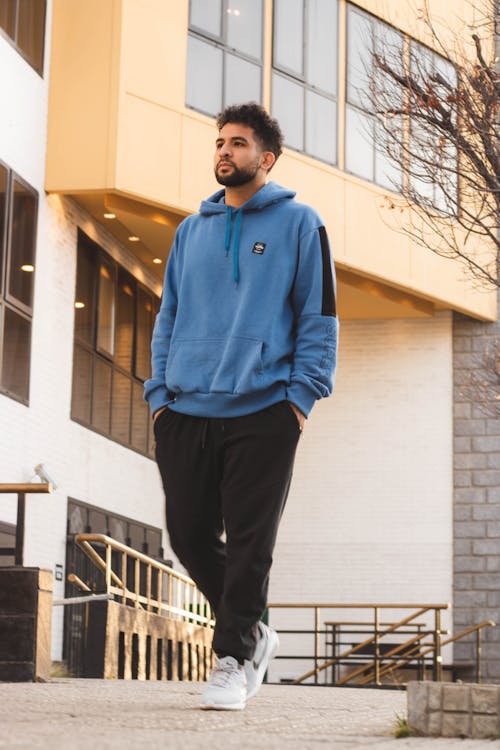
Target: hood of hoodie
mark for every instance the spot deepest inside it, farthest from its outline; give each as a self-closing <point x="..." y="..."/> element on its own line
<point x="267" y="195"/>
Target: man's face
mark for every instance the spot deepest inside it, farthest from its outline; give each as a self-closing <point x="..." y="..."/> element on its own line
<point x="238" y="156"/>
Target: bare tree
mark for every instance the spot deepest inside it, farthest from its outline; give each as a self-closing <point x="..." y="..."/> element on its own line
<point x="437" y="114"/>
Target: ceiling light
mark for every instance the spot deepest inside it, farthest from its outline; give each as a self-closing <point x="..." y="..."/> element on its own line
<point x="79" y="305"/>
<point x="134" y="238"/>
<point x="157" y="260"/>
<point x="28" y="268"/>
<point x="109" y="216"/>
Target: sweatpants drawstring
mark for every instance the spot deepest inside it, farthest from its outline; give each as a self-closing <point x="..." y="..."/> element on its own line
<point x="204" y="430"/>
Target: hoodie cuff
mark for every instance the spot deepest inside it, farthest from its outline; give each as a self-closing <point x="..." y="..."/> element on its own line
<point x="158" y="398"/>
<point x="301" y="396"/>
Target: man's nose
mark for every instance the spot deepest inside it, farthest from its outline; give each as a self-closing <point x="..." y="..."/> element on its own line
<point x="225" y="149"/>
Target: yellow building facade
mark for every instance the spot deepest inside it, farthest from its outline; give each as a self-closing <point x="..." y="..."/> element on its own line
<point x="122" y="140"/>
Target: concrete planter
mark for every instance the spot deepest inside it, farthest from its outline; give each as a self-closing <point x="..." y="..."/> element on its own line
<point x="25" y="624"/>
<point x="443" y="710"/>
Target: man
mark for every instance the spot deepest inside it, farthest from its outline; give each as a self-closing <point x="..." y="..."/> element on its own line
<point x="244" y="343"/>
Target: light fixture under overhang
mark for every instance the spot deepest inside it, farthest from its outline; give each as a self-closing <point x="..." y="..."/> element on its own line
<point x="134" y="238"/>
<point x="27" y="267"/>
<point x="109" y="215"/>
<point x="79" y="305"/>
<point x="157" y="261"/>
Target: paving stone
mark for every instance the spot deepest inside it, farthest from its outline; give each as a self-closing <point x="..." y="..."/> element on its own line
<point x="484" y="727"/>
<point x="455" y="698"/>
<point x="435" y="724"/>
<point x="455" y="725"/>
<point x="417" y="707"/>
<point x="484" y="699"/>
<point x="434" y="696"/>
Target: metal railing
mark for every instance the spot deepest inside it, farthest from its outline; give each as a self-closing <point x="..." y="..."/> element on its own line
<point x="371" y="659"/>
<point x="155" y="587"/>
<point x="135" y="617"/>
<point x="21" y="490"/>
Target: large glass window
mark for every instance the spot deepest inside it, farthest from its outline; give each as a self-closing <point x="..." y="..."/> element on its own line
<point x="433" y="181"/>
<point x="364" y="137"/>
<point x="224" y="57"/>
<point x="18" y="218"/>
<point x="114" y="317"/>
<point x="23" y="21"/>
<point x="304" y="79"/>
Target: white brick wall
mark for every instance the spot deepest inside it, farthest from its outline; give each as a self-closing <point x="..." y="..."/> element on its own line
<point x="85" y="465"/>
<point x="369" y="517"/>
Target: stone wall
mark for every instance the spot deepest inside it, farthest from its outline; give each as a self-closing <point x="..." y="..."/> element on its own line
<point x="476" y="497"/>
<point x="454" y="710"/>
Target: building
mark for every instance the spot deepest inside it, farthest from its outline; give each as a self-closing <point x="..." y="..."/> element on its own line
<point x="105" y="145"/>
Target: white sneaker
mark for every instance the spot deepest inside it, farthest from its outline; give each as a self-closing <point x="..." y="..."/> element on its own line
<point x="227" y="686"/>
<point x="256" y="668"/>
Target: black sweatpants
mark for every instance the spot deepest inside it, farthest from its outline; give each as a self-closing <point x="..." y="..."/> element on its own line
<point x="229" y="475"/>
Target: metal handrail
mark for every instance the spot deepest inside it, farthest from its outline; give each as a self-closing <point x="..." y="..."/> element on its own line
<point x="402" y="654"/>
<point x="468" y="631"/>
<point x="183" y="600"/>
<point x="375" y="639"/>
<point x="21" y="490"/>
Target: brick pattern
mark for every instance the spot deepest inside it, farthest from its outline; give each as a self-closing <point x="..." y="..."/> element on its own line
<point x="439" y="709"/>
<point x="369" y="516"/>
<point x="476" y="499"/>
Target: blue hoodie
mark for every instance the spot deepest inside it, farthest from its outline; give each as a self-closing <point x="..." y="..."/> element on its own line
<point x="248" y="314"/>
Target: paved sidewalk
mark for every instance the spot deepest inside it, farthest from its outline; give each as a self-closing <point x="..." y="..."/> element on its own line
<point x="74" y="714"/>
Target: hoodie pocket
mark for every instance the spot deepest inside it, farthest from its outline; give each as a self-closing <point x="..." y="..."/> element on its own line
<point x="231" y="365"/>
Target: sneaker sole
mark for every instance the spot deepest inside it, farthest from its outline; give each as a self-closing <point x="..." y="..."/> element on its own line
<point x="220" y="707"/>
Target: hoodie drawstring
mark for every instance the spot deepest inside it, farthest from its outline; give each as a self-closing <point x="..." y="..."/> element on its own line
<point x="236" y="240"/>
<point x="236" y="246"/>
<point x="227" y="238"/>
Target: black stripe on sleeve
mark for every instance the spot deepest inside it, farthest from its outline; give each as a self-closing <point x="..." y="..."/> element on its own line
<point x="328" y="306"/>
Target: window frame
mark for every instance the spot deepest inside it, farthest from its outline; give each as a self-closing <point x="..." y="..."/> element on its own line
<point x="8" y="301"/>
<point x="359" y="109"/>
<point x="14" y="302"/>
<point x="12" y="40"/>
<point x="220" y="42"/>
<point x="301" y="80"/>
<point x="105" y="358"/>
<point x="415" y="44"/>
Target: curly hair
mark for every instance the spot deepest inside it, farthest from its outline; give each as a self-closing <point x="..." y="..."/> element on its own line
<point x="267" y="130"/>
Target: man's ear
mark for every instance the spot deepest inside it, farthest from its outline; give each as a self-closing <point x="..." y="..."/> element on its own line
<point x="267" y="160"/>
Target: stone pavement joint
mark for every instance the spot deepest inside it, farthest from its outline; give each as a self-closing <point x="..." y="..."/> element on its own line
<point x="75" y="714"/>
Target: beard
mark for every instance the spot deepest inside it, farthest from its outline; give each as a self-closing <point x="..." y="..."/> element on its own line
<point x="239" y="176"/>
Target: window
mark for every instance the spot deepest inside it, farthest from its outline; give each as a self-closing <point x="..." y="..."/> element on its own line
<point x="432" y="182"/>
<point x="304" y="78"/>
<point x="23" y="21"/>
<point x="364" y="136"/>
<point x="224" y="57"/>
<point x="114" y="317"/>
<point x="18" y="218"/>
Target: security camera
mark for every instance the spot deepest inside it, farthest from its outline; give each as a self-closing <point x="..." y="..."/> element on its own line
<point x="41" y="472"/>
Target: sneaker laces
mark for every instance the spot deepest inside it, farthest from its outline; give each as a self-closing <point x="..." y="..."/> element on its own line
<point x="224" y="671"/>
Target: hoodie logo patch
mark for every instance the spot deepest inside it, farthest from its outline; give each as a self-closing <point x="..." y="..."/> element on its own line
<point x="259" y="248"/>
